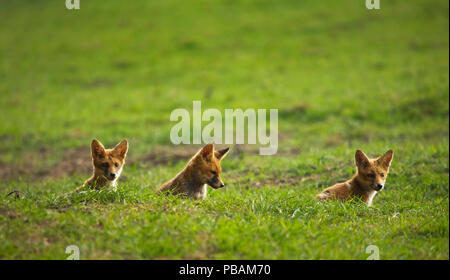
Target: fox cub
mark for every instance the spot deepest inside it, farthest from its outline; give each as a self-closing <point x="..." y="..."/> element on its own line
<point x="368" y="180"/>
<point x="107" y="163"/>
<point x="203" y="168"/>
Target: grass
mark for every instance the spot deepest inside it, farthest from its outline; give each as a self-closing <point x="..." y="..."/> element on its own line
<point x="342" y="77"/>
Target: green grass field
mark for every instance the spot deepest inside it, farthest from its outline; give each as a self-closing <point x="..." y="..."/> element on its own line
<point x="342" y="77"/>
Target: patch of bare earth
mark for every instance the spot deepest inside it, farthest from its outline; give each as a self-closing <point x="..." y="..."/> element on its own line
<point x="274" y="180"/>
<point x="78" y="161"/>
<point x="73" y="161"/>
<point x="277" y="179"/>
<point x="164" y="155"/>
<point x="9" y="171"/>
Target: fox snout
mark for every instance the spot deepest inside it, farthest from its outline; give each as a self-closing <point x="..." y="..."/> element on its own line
<point x="217" y="186"/>
<point x="111" y="176"/>
<point x="216" y="183"/>
<point x="379" y="187"/>
<point x="220" y="186"/>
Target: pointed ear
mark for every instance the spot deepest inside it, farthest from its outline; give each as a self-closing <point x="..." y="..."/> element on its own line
<point x="208" y="151"/>
<point x="121" y="149"/>
<point x="97" y="149"/>
<point x="386" y="159"/>
<point x="220" y="154"/>
<point x="361" y="159"/>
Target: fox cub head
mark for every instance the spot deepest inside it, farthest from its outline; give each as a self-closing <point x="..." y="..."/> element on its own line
<point x="109" y="162"/>
<point x="373" y="172"/>
<point x="207" y="164"/>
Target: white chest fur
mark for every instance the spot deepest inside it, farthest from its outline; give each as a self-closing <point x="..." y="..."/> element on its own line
<point x="200" y="194"/>
<point x="371" y="196"/>
<point x="114" y="182"/>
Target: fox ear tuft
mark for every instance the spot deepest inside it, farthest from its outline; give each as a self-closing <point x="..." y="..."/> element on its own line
<point x="97" y="149"/>
<point x="208" y="151"/>
<point x="121" y="149"/>
<point x="361" y="159"/>
<point x="386" y="159"/>
<point x="220" y="154"/>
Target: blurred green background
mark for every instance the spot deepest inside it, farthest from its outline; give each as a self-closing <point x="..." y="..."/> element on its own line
<point x="342" y="77"/>
<point x="113" y="70"/>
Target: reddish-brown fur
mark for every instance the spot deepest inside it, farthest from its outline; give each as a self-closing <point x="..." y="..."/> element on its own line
<point x="107" y="164"/>
<point x="369" y="179"/>
<point x="203" y="168"/>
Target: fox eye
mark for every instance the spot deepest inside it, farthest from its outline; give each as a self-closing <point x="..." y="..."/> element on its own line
<point x="214" y="173"/>
<point x="371" y="175"/>
<point x="382" y="175"/>
<point x="116" y="164"/>
<point x="105" y="165"/>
